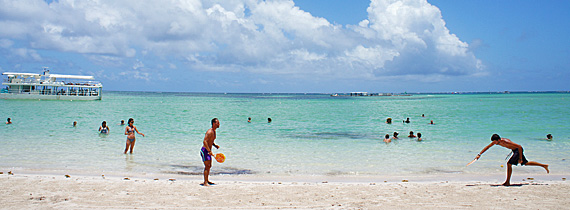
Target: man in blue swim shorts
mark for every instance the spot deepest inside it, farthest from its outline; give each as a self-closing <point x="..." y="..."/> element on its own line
<point x="206" y="151"/>
<point x="205" y="154"/>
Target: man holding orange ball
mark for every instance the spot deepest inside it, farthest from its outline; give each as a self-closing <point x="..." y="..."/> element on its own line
<point x="206" y="151"/>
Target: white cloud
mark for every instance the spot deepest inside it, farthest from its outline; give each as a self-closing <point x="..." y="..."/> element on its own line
<point x="136" y="75"/>
<point x="105" y="60"/>
<point x="305" y="55"/>
<point x="399" y="38"/>
<point x="374" y="57"/>
<point x="138" y="64"/>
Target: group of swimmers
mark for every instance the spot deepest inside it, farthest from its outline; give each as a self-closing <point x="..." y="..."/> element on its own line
<point x="104" y="129"/>
<point x="387" y="138"/>
<point x="268" y="120"/>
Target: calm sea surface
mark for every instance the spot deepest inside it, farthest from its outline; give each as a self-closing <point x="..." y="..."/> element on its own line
<point x="309" y="134"/>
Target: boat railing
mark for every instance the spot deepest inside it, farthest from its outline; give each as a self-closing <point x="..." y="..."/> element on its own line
<point x="31" y="81"/>
<point x="22" y="82"/>
<point x="81" y="84"/>
<point x="58" y="83"/>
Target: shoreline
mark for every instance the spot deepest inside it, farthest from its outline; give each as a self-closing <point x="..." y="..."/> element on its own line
<point x="25" y="191"/>
<point x="422" y="178"/>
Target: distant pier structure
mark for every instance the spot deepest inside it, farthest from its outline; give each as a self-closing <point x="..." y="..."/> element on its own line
<point x="367" y="94"/>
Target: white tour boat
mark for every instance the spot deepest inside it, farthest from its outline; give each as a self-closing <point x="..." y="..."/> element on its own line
<point x="48" y="86"/>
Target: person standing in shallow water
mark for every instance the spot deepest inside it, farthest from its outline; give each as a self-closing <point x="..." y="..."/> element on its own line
<point x="518" y="156"/>
<point x="206" y="151"/>
<point x="130" y="132"/>
<point x="104" y="129"/>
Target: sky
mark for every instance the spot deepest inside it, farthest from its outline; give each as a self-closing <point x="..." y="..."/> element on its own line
<point x="293" y="46"/>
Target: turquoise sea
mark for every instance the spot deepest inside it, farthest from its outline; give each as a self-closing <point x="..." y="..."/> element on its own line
<point x="310" y="134"/>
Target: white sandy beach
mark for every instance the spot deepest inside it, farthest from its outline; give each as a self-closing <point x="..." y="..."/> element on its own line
<point x="36" y="191"/>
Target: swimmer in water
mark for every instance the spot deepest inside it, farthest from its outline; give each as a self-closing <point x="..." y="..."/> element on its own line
<point x="130" y="132"/>
<point x="104" y="129"/>
<point x="395" y="135"/>
<point x="8" y="121"/>
<point x="419" y="136"/>
<point x="387" y="139"/>
<point x="548" y="136"/>
<point x="412" y="135"/>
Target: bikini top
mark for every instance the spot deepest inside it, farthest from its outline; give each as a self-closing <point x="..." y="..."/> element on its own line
<point x="130" y="129"/>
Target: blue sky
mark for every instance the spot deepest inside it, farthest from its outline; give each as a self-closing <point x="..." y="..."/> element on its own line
<point x="322" y="46"/>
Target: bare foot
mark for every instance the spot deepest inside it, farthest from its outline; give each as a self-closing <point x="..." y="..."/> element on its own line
<point x="506" y="184"/>
<point x="546" y="167"/>
<point x="205" y="184"/>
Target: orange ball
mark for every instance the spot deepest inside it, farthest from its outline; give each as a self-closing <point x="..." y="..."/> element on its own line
<point x="220" y="157"/>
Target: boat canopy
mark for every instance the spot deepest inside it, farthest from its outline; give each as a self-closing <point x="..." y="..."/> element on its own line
<point x="19" y="74"/>
<point x="71" y="76"/>
<point x="61" y="76"/>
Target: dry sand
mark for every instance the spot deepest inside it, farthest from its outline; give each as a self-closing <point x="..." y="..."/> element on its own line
<point x="34" y="191"/>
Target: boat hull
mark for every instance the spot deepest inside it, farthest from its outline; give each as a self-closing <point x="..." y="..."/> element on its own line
<point x="48" y="97"/>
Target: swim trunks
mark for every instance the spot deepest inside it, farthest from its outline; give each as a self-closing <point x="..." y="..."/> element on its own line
<point x="515" y="158"/>
<point x="205" y="155"/>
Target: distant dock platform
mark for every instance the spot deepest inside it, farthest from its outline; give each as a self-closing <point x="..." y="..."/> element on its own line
<point x="356" y="94"/>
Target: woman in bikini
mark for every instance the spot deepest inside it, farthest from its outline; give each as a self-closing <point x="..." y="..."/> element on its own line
<point x="130" y="132"/>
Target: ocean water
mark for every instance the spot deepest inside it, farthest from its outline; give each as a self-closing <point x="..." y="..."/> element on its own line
<point x="310" y="134"/>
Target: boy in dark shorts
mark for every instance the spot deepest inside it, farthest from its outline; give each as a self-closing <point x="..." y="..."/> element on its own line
<point x="518" y="156"/>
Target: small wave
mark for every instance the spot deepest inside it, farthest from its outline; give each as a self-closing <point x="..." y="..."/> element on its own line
<point x="440" y="171"/>
<point x="329" y="135"/>
<point x="199" y="170"/>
